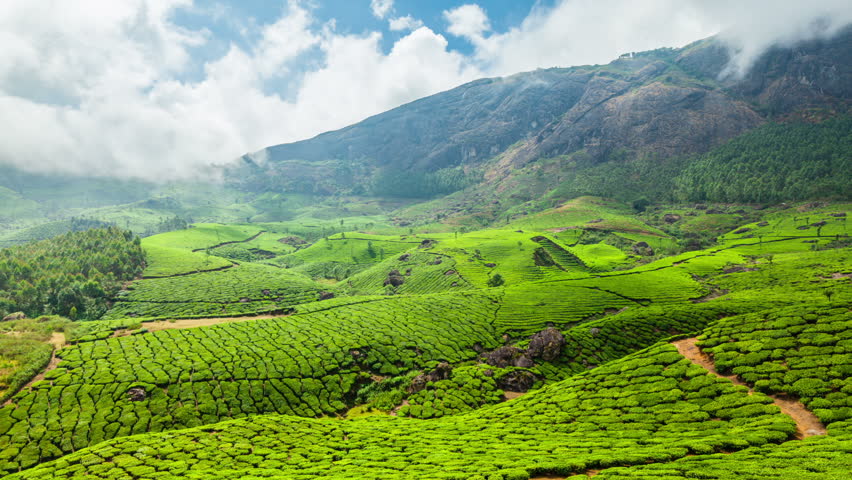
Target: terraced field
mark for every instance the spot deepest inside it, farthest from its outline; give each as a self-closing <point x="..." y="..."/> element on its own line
<point x="539" y="351"/>
<point x="654" y="405"/>
<point x="240" y="290"/>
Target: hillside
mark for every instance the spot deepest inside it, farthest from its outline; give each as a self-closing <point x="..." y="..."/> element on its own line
<point x="662" y="103"/>
<point x="244" y="351"/>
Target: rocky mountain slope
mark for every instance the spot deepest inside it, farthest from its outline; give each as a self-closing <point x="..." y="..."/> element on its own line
<point x="663" y="103"/>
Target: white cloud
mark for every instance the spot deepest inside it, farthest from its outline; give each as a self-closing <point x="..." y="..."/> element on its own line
<point x="84" y="93"/>
<point x="469" y="21"/>
<point x="404" y="23"/>
<point x="381" y="8"/>
<point x="576" y="32"/>
<point x="108" y="94"/>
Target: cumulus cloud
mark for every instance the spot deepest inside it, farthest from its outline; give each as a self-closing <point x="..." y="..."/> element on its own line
<point x="102" y="94"/>
<point x="576" y="32"/>
<point x="120" y="94"/>
<point x="469" y="21"/>
<point x="381" y="8"/>
<point x="774" y="24"/>
<point x="404" y="23"/>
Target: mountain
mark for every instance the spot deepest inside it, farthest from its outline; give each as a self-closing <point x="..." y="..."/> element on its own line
<point x="662" y="103"/>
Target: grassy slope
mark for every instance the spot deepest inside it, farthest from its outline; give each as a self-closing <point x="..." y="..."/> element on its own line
<point x="534" y="296"/>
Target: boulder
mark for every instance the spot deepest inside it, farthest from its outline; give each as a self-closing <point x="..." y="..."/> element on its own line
<point x="441" y="372"/>
<point x="516" y="381"/>
<point x="137" y="394"/>
<point x="503" y="357"/>
<point x="642" y="248"/>
<point x="404" y="257"/>
<point x="394" y="278"/>
<point x="546" y="344"/>
<point x="14" y="316"/>
<point x="326" y="295"/>
<point x="671" y="218"/>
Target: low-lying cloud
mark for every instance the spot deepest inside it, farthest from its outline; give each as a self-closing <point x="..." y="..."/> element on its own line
<point x="108" y="93"/>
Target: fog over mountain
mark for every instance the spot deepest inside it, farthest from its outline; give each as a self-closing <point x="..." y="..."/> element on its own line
<point x="119" y="88"/>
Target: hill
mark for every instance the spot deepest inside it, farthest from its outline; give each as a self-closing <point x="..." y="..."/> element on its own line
<point x="661" y="104"/>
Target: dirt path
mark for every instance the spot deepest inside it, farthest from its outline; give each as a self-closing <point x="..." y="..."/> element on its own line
<point x="807" y="424"/>
<point x="58" y="341"/>
<point x="192" y="323"/>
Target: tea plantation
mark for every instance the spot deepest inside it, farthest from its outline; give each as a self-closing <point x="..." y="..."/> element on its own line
<point x="545" y="347"/>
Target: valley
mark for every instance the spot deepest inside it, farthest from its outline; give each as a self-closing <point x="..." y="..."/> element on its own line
<point x="247" y="350"/>
<point x="633" y="270"/>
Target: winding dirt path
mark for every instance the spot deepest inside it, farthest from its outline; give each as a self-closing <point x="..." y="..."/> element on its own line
<point x="192" y="323"/>
<point x="807" y="424"/>
<point x="57" y="339"/>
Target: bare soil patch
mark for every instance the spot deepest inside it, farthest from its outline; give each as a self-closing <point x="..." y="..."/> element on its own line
<point x="192" y="323"/>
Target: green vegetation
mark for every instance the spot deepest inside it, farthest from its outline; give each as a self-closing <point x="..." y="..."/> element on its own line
<point x="74" y="274"/>
<point x="801" y="351"/>
<point x="652" y="406"/>
<point x="397" y="353"/>
<point x="240" y="290"/>
<point x="200" y="376"/>
<point x="773" y="163"/>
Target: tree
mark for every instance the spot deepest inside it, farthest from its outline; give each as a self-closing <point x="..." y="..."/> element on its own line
<point x="496" y="280"/>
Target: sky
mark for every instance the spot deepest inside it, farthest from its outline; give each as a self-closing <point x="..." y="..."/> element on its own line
<point x="162" y="89"/>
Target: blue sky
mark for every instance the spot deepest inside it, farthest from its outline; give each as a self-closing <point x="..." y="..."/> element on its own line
<point x="351" y="16"/>
<point x="239" y="21"/>
<point x="161" y="89"/>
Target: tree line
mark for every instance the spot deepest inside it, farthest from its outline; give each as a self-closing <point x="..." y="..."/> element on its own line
<point x="74" y="274"/>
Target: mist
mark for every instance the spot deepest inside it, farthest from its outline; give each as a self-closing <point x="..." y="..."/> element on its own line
<point x="113" y="89"/>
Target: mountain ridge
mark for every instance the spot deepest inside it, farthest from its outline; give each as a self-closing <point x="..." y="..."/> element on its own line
<point x="664" y="102"/>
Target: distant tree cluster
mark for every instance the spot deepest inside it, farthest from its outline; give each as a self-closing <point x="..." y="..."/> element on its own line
<point x="74" y="274"/>
<point x="168" y="225"/>
<point x="775" y="163"/>
<point x="394" y="183"/>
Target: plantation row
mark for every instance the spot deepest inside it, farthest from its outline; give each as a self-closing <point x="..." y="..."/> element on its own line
<point x="600" y="341"/>
<point x="533" y="306"/>
<point x="468" y="388"/>
<point x="166" y="261"/>
<point x="654" y="406"/>
<point x="238" y="290"/>
<point x="801" y="351"/>
<point x="815" y="458"/>
<point x="306" y="364"/>
<point x="420" y="272"/>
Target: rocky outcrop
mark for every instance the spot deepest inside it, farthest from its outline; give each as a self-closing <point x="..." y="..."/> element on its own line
<point x="508" y="356"/>
<point x="394" y="279"/>
<point x="546" y="344"/>
<point x="441" y="372"/>
<point x="664" y="102"/>
<point x="642" y="248"/>
<point x="14" y="316"/>
<point x="516" y="381"/>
